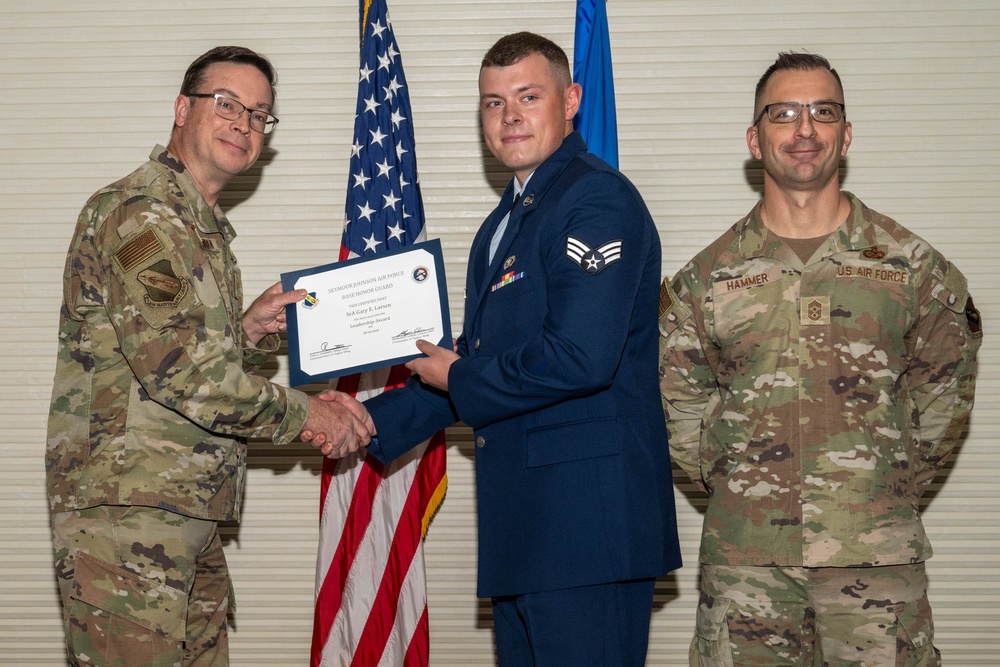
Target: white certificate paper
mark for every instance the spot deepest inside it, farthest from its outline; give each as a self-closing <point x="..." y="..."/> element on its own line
<point x="367" y="312"/>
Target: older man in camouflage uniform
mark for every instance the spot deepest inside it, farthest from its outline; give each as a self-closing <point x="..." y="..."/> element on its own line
<point x="155" y="394"/>
<point x="818" y="365"/>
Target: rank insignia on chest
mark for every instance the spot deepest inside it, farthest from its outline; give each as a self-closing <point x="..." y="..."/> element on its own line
<point x="507" y="279"/>
<point x="814" y="310"/>
<point x="593" y="260"/>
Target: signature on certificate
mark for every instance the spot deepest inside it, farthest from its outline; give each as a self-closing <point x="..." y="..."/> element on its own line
<point x="325" y="349"/>
<point x="410" y="333"/>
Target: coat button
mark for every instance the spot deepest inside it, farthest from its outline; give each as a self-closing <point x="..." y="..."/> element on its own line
<point x="480" y="441"/>
<point x="475" y="345"/>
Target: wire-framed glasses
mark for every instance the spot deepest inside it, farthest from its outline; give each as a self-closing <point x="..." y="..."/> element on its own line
<point x="230" y="109"/>
<point x="788" y="112"/>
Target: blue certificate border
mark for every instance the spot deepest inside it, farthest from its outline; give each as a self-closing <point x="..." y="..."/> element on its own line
<point x="297" y="376"/>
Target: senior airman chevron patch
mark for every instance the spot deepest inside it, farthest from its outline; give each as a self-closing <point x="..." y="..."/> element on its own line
<point x="593" y="260"/>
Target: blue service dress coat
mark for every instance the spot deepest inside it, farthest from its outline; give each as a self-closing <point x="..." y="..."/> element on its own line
<point x="557" y="376"/>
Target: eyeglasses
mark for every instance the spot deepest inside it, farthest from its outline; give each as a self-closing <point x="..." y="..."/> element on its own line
<point x="230" y="109"/>
<point x="788" y="112"/>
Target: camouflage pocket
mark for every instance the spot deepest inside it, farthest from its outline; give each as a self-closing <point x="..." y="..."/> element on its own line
<point x="121" y="593"/>
<point x="915" y="635"/>
<point x="710" y="647"/>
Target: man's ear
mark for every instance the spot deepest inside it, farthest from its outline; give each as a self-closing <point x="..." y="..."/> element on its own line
<point x="182" y="106"/>
<point x="848" y="134"/>
<point x="572" y="97"/>
<point x="753" y="142"/>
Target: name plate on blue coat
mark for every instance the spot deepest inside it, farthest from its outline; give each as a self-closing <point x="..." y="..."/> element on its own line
<point x="367" y="312"/>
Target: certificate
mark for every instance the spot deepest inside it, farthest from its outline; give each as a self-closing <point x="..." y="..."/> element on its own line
<point x="367" y="312"/>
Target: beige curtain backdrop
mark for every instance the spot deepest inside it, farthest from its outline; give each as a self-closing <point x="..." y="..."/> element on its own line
<point x="88" y="89"/>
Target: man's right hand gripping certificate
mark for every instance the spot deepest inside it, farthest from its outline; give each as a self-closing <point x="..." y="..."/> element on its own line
<point x="365" y="313"/>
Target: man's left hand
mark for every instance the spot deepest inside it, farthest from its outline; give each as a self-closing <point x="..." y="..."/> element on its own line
<point x="433" y="369"/>
<point x="266" y="314"/>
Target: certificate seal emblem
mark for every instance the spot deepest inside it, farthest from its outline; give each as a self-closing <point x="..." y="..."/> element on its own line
<point x="420" y="274"/>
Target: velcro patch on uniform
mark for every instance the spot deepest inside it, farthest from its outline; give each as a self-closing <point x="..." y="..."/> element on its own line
<point x="973" y="318"/>
<point x="814" y="310"/>
<point x="156" y="279"/>
<point x="666" y="301"/>
<point x="877" y="273"/>
<point x="727" y="285"/>
<point x="593" y="260"/>
<point x="875" y="252"/>
<point x="142" y="247"/>
<point x="163" y="287"/>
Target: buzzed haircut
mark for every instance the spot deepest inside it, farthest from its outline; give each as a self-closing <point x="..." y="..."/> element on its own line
<point x="239" y="55"/>
<point x="516" y="47"/>
<point x="802" y="62"/>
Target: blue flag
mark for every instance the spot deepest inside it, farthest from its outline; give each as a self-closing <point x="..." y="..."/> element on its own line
<point x="596" y="120"/>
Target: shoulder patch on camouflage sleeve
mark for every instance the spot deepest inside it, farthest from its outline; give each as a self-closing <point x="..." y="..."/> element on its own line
<point x="973" y="318"/>
<point x="142" y="246"/>
<point x="954" y="288"/>
<point x="666" y="301"/>
<point x="146" y="266"/>
<point x="163" y="287"/>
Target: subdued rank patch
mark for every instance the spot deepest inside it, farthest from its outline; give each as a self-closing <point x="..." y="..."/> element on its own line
<point x="509" y="262"/>
<point x="875" y="252"/>
<point x="814" y="310"/>
<point x="666" y="302"/>
<point x="163" y="287"/>
<point x="142" y="247"/>
<point x="593" y="260"/>
<point x="973" y="318"/>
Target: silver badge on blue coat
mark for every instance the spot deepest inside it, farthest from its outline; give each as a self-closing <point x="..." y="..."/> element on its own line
<point x="593" y="260"/>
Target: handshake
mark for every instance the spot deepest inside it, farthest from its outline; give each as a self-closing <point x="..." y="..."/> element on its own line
<point x="337" y="424"/>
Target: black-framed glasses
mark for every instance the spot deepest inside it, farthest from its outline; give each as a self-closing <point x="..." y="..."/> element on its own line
<point x="230" y="109"/>
<point x="788" y="112"/>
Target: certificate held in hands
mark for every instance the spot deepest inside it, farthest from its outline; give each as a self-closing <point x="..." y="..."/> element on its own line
<point x="367" y="312"/>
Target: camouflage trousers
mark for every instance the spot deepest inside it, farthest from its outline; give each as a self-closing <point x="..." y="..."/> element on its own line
<point x="814" y="617"/>
<point x="141" y="586"/>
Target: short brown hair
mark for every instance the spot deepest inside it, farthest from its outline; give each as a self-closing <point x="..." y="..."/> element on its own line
<point x="516" y="47"/>
<point x="195" y="75"/>
<point x="795" y="61"/>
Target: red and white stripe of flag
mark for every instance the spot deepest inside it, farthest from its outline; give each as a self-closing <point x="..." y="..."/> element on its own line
<point x="371" y="595"/>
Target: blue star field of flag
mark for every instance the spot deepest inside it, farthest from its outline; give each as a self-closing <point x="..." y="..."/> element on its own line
<point x="384" y="209"/>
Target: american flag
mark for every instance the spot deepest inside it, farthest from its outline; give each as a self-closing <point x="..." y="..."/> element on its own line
<point x="371" y="592"/>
